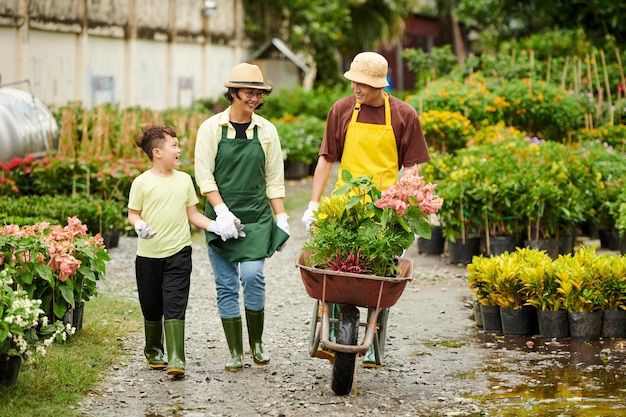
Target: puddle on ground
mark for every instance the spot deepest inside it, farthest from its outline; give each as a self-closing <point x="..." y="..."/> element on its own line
<point x="533" y="376"/>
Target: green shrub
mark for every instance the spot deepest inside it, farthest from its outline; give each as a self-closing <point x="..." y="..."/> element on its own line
<point x="445" y="130"/>
<point x="440" y="61"/>
<point x="541" y="188"/>
<point x="99" y="215"/>
<point x="300" y="138"/>
<point x="610" y="167"/>
<point x="542" y="109"/>
<point x="610" y="136"/>
<point x="471" y="98"/>
<point x="297" y="101"/>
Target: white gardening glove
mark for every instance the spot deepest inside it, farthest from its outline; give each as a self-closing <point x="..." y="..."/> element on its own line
<point x="144" y="230"/>
<point x="240" y="227"/>
<point x="308" y="217"/>
<point x="227" y="224"/>
<point x="281" y="221"/>
<point x="214" y="228"/>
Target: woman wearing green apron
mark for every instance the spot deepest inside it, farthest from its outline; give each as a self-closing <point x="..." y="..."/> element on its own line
<point x="239" y="168"/>
<point x="371" y="133"/>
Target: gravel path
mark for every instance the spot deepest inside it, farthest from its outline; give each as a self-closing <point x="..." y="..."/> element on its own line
<point x="430" y="343"/>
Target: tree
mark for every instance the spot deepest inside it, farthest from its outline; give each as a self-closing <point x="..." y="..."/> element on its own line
<point x="509" y="19"/>
<point x="327" y="34"/>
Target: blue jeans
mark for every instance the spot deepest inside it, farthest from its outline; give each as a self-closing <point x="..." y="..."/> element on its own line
<point x="228" y="275"/>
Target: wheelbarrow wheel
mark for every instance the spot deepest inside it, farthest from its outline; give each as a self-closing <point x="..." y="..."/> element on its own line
<point x="347" y="334"/>
<point x="314" y="336"/>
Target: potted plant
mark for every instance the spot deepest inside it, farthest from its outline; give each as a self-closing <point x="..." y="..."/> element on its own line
<point x="611" y="272"/>
<point x="300" y="140"/>
<point x="24" y="328"/>
<point x="580" y="282"/>
<point x="506" y="277"/>
<point x="361" y="230"/>
<point x="542" y="292"/>
<point x="496" y="190"/>
<point x="481" y="276"/>
<point x="58" y="265"/>
<point x="515" y="186"/>
<point x="459" y="214"/>
<point x="434" y="245"/>
<point x="610" y="166"/>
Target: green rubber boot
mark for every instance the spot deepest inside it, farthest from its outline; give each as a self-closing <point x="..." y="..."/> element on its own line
<point x="254" y="320"/>
<point x="175" y="342"/>
<point x="233" y="330"/>
<point x="153" y="351"/>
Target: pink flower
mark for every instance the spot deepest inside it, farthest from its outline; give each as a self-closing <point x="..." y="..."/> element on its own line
<point x="411" y="190"/>
<point x="65" y="264"/>
<point x="75" y="227"/>
<point x="431" y="205"/>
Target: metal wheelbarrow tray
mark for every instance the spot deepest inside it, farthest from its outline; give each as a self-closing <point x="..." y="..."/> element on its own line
<point x="357" y="289"/>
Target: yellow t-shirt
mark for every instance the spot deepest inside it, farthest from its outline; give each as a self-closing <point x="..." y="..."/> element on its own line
<point x="163" y="203"/>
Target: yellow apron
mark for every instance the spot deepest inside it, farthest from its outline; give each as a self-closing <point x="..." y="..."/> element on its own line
<point x="370" y="149"/>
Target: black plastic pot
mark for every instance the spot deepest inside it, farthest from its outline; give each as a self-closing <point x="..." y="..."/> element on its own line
<point x="586" y="325"/>
<point x="614" y="324"/>
<point x="553" y="323"/>
<point x="432" y="246"/>
<point x="500" y="244"/>
<point x="522" y="321"/>
<point x="491" y="318"/>
<point x="463" y="252"/>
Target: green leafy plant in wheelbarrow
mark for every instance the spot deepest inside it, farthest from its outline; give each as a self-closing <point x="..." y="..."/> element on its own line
<point x="361" y="229"/>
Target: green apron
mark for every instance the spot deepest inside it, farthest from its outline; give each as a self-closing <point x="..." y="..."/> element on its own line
<point x="240" y="177"/>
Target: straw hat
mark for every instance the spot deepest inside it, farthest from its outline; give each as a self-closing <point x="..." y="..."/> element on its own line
<point x="368" y="68"/>
<point x="246" y="75"/>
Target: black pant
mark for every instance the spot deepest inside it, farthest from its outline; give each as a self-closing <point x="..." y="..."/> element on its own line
<point x="163" y="285"/>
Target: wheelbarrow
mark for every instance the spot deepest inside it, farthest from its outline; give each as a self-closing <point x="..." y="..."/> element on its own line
<point x="351" y="291"/>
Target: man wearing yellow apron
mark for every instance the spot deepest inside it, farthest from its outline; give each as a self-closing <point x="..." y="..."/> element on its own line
<point x="370" y="133"/>
<point x="239" y="168"/>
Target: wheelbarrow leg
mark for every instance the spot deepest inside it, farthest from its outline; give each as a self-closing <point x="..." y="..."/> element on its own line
<point x="333" y="312"/>
<point x="373" y="358"/>
<point x="314" y="335"/>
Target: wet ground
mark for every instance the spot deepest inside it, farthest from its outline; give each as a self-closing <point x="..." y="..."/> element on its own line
<point x="531" y="376"/>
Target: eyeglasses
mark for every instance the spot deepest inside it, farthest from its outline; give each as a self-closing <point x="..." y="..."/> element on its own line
<point x="252" y="93"/>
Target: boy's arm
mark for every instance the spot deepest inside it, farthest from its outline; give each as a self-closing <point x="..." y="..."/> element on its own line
<point x="198" y="219"/>
<point x="133" y="216"/>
